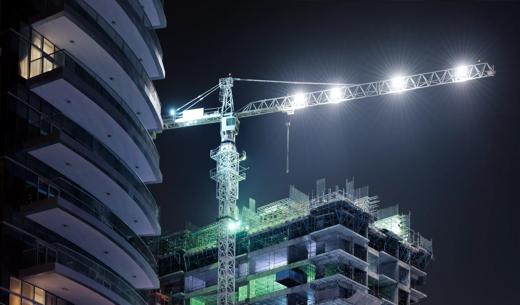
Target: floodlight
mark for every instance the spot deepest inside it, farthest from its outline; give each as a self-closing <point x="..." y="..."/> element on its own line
<point x="336" y="94"/>
<point x="172" y="112"/>
<point x="397" y="84"/>
<point x="461" y="73"/>
<point x="299" y="101"/>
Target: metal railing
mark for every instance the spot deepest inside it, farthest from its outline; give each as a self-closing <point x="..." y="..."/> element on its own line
<point x="44" y="188"/>
<point x="417" y="239"/>
<point x="49" y="123"/>
<point x="140" y="19"/>
<point x="44" y="253"/>
<point x="103" y="214"/>
<point x="135" y="68"/>
<point x="330" y="196"/>
<point x="61" y="58"/>
<point x="140" y="72"/>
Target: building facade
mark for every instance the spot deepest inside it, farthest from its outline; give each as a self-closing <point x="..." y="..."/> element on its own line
<point x="335" y="247"/>
<point x="78" y="110"/>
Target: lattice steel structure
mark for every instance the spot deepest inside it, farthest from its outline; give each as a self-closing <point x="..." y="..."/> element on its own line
<point x="301" y="250"/>
<point x="339" y="94"/>
<point x="229" y="173"/>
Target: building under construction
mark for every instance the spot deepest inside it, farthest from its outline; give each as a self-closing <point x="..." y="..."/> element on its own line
<point x="335" y="246"/>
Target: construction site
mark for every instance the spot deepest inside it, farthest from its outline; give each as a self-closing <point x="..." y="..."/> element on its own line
<point x="335" y="246"/>
<point x="328" y="90"/>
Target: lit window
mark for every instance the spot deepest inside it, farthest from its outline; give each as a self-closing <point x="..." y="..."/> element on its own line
<point x="27" y="290"/>
<point x="15" y="285"/>
<point x="48" y="47"/>
<point x="14" y="299"/>
<point x="39" y="295"/>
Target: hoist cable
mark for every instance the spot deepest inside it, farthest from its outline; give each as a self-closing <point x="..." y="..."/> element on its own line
<point x="288" y="125"/>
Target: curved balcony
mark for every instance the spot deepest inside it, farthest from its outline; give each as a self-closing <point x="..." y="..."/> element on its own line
<point x="77" y="217"/>
<point x="129" y="20"/>
<point x="154" y="11"/>
<point x="77" y="27"/>
<point x="75" y="277"/>
<point x="85" y="98"/>
<point x="63" y="145"/>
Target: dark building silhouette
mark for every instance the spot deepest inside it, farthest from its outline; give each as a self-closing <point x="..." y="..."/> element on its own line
<point x="78" y="113"/>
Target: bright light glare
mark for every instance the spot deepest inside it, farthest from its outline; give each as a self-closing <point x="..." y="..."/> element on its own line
<point x="336" y="94"/>
<point x="193" y="114"/>
<point x="397" y="84"/>
<point x="234" y="225"/>
<point x="461" y="73"/>
<point x="172" y="112"/>
<point x="299" y="101"/>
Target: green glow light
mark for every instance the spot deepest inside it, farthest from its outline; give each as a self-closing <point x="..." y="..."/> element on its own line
<point x="264" y="285"/>
<point x="242" y="293"/>
<point x="196" y="301"/>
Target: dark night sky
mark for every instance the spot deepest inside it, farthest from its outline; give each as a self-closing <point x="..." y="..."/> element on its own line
<point x="447" y="154"/>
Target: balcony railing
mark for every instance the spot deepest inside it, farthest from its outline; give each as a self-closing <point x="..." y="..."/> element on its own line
<point x="140" y="72"/>
<point x="49" y="186"/>
<point x="40" y="253"/>
<point x="135" y="69"/>
<point x="47" y="123"/>
<point x="45" y="62"/>
<point x="140" y="19"/>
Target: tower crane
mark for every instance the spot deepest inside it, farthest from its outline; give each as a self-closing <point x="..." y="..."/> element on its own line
<point x="228" y="172"/>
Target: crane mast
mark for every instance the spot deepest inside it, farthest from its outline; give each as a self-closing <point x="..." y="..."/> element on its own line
<point x="229" y="173"/>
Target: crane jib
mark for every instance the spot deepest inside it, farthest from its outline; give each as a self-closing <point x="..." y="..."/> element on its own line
<point x="229" y="173"/>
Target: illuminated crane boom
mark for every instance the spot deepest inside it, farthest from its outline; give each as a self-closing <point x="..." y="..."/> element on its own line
<point x="339" y="94"/>
<point x="229" y="173"/>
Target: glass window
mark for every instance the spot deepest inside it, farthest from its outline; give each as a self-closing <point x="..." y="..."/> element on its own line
<point x="39" y="295"/>
<point x="35" y="53"/>
<point x="48" y="47"/>
<point x="37" y="39"/>
<point x="35" y="68"/>
<point x="27" y="290"/>
<point x="47" y="65"/>
<point x="14" y="299"/>
<point x="15" y="285"/>
<point x="26" y="302"/>
<point x="50" y="299"/>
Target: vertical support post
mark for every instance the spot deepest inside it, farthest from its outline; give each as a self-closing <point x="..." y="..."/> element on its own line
<point x="227" y="176"/>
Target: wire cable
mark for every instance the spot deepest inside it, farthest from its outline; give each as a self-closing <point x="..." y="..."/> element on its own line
<point x="289" y="82"/>
<point x="197" y="99"/>
<point x="287" y="125"/>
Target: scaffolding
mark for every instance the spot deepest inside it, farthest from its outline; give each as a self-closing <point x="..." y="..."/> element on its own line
<point x="298" y="206"/>
<point x="295" y="221"/>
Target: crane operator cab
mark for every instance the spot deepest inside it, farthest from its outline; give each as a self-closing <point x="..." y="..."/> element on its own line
<point x="229" y="128"/>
